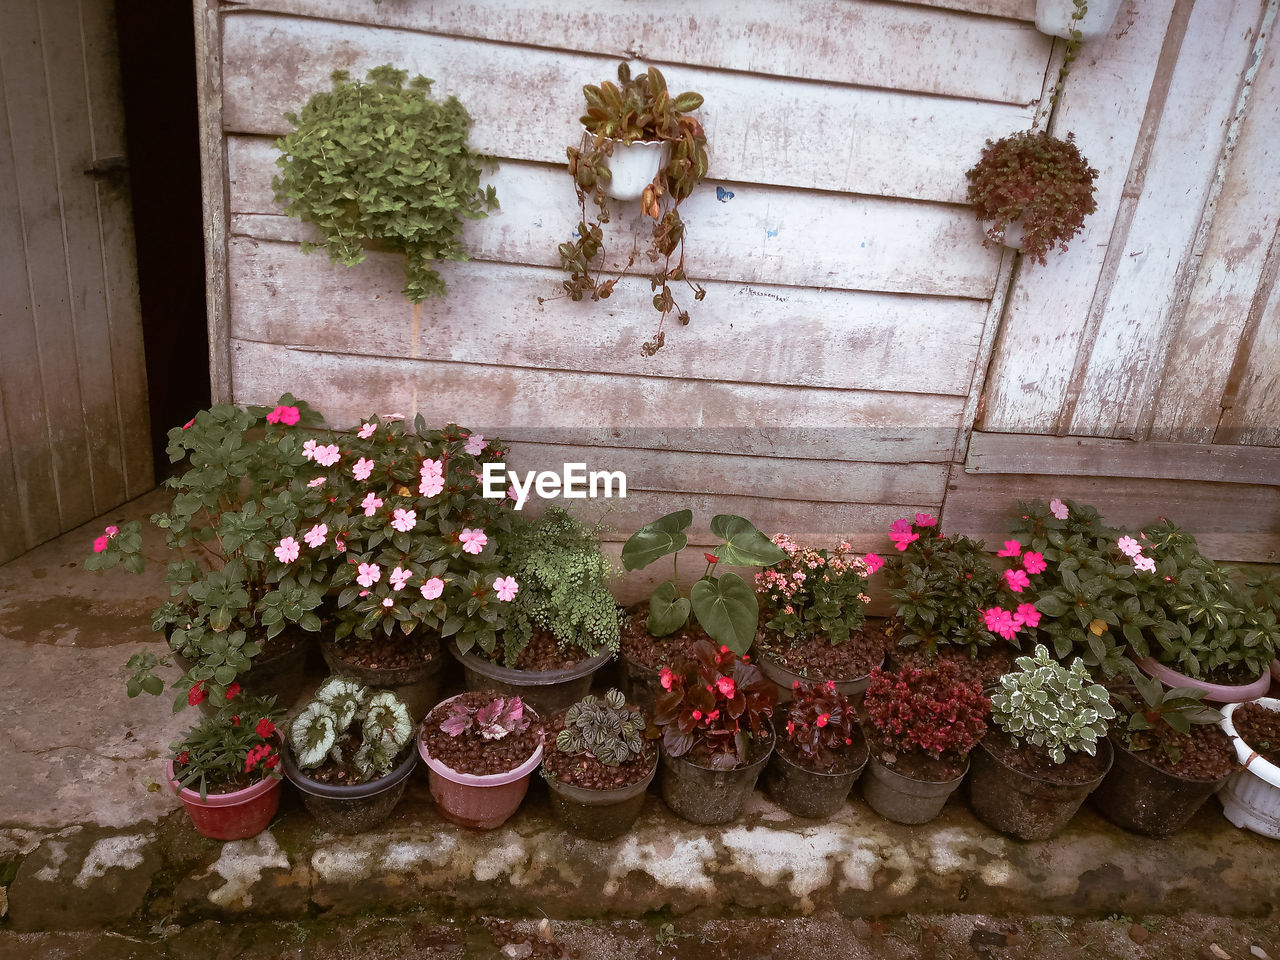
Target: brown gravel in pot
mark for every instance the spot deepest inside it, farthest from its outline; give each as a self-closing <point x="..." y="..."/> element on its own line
<point x="1037" y="762"/>
<point x="1203" y="754"/>
<point x="854" y="756"/>
<point x="1260" y="729"/>
<point x="396" y="652"/>
<point x="987" y="666"/>
<point x="471" y="753"/>
<point x="585" y="770"/>
<point x="655" y="652"/>
<point x="541" y="653"/>
<point x="815" y="657"/>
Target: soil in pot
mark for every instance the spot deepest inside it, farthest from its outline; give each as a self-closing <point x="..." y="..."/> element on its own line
<point x="412" y="667"/>
<point x="814" y="658"/>
<point x="644" y="655"/>
<point x="469" y="752"/>
<point x="1260" y="729"/>
<point x="547" y="677"/>
<point x="591" y="799"/>
<point x="341" y="800"/>
<point x="808" y="792"/>
<point x="1020" y="791"/>
<point x="987" y="665"/>
<point x="911" y="787"/>
<point x="707" y="795"/>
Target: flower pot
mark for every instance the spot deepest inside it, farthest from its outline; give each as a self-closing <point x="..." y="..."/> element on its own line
<point x="230" y="816"/>
<point x="1275" y="670"/>
<point x="1144" y="798"/>
<point x="1054" y="18"/>
<point x="783" y="677"/>
<point x="483" y="801"/>
<point x="639" y="684"/>
<point x="904" y="799"/>
<point x="351" y="808"/>
<point x="599" y="814"/>
<point x="1251" y="797"/>
<point x="633" y="167"/>
<point x="1012" y="236"/>
<point x="278" y="674"/>
<point x="707" y="795"/>
<point x="805" y="792"/>
<point x="1023" y="805"/>
<point x="547" y="691"/>
<point x="1213" y="692"/>
<point x="417" y="685"/>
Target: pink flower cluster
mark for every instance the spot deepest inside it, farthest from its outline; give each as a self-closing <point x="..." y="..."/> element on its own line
<point x="902" y="531"/>
<point x="324" y="454"/>
<point x="431" y="477"/>
<point x="783" y="582"/>
<point x="1032" y="563"/>
<point x="1132" y="549"/>
<point x="1007" y="624"/>
<point x="289" y="416"/>
<point x="100" y="544"/>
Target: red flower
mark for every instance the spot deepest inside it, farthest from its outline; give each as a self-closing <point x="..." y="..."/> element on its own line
<point x="725" y="686"/>
<point x="665" y="677"/>
<point x="697" y="714"/>
<point x="271" y="762"/>
<point x="265" y="727"/>
<point x="182" y="758"/>
<point x="236" y="720"/>
<point x="232" y="691"/>
<point x="196" y="694"/>
<point x="822" y="719"/>
<point x="711" y="558"/>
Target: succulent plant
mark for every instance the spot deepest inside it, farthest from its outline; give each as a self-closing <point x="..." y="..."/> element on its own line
<point x="1052" y="706"/>
<point x="325" y="730"/>
<point x="605" y="729"/>
<point x="493" y="721"/>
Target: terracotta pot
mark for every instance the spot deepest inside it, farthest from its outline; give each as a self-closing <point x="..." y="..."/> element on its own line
<point x="230" y="816"/>
<point x="1025" y="806"/>
<point x="598" y="814"/>
<point x="1213" y="692"/>
<point x="904" y="799"/>
<point x="351" y="808"/>
<point x="418" y="686"/>
<point x="1144" y="798"/>
<point x="1251" y="797"/>
<point x="481" y="801"/>
<point x="546" y="690"/>
<point x="1054" y="18"/>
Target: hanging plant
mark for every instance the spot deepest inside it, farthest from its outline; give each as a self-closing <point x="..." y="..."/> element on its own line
<point x="634" y="111"/>
<point x="379" y="161"/>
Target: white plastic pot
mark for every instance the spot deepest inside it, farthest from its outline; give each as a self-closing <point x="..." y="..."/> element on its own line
<point x="634" y="165"/>
<point x="1012" y="236"/>
<point x="1251" y="797"/>
<point x="1054" y="18"/>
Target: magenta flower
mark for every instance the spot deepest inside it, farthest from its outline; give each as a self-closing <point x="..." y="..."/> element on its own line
<point x="926" y="520"/>
<point x="399" y="577"/>
<point x="1034" y="562"/>
<point x="339" y="545"/>
<point x="1129" y="546"/>
<point x="1059" y="509"/>
<point x="366" y="430"/>
<point x="475" y="444"/>
<point x="286" y="415"/>
<point x="403" y="520"/>
<point x="100" y="543"/>
<point x="900" y="540"/>
<point x="315" y="536"/>
<point x="187" y="425"/>
<point x="1016" y="580"/>
<point x="288" y="550"/>
<point x="1000" y="622"/>
<point x="873" y="562"/>
<point x="327" y="456"/>
<point x="371" y="503"/>
<point x="369" y="574"/>
<point x="1011" y="548"/>
<point x="363" y="467"/>
<point x="112" y="530"/>
<point x="507" y="588"/>
<point x="432" y="588"/>
<point x="725" y="686"/>
<point x="472" y="541"/>
<point x="1145" y="564"/>
<point x="1027" y="614"/>
<point x="901" y="525"/>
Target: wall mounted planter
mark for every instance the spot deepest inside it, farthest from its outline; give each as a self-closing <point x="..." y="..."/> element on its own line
<point x="1054" y="18"/>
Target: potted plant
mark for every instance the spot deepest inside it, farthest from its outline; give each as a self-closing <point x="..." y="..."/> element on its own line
<point x="665" y="153"/>
<point x="349" y="754"/>
<point x="922" y="723"/>
<point x="236" y="617"/>
<point x="1170" y="756"/>
<point x="1033" y="191"/>
<point x="1263" y="589"/>
<point x="409" y="547"/>
<point x="562" y="624"/>
<point x="226" y="769"/>
<point x="480" y="749"/>
<point x="1251" y="797"/>
<point x="816" y="763"/>
<point x="720" y="606"/>
<point x="379" y="161"/>
<point x="815" y="604"/>
<point x="716" y="736"/>
<point x="598" y="763"/>
<point x="1023" y="782"/>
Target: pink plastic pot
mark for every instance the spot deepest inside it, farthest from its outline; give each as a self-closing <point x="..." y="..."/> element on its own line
<point x="1213" y="692"/>
<point x="230" y="816"/>
<point x="471" y="800"/>
<point x="1275" y="670"/>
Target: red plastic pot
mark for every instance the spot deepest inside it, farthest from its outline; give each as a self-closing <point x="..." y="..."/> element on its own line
<point x="230" y="816"/>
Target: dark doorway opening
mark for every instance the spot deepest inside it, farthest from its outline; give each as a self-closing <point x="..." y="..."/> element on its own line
<point x="158" y="73"/>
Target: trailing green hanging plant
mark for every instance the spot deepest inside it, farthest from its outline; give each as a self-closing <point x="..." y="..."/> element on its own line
<point x="379" y="161"/>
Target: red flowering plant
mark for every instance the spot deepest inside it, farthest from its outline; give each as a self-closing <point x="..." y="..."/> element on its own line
<point x="931" y="711"/>
<point x="714" y="705"/>
<point x="815" y="590"/>
<point x="822" y="727"/>
<point x="235" y="501"/>
<point x="231" y="750"/>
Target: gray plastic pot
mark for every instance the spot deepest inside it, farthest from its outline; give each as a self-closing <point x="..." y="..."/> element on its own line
<point x="905" y="799"/>
<point x="640" y="684"/>
<point x="355" y="808"/>
<point x="1146" y="799"/>
<point x="1025" y="806"/>
<point x="805" y="792"/>
<point x="417" y="686"/>
<point x="598" y="814"/>
<point x="547" y="691"/>
<point x="707" y="795"/>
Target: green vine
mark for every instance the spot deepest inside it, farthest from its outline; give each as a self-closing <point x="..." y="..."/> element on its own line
<point x="1072" y="49"/>
<point x="379" y="161"/>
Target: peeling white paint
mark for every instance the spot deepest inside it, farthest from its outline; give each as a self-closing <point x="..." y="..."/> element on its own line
<point x="861" y="860"/>
<point x="57" y="857"/>
<point x="407" y="854"/>
<point x="123" y="852"/>
<point x="769" y="855"/>
<point x="345" y="863"/>
<point x="506" y="857"/>
<point x="241" y="864"/>
<point x="997" y="873"/>
<point x="682" y="867"/>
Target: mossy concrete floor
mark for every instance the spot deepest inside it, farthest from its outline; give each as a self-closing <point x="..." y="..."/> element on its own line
<point x="90" y="842"/>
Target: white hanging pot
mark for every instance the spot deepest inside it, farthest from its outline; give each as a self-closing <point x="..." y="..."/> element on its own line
<point x="1013" y="233"/>
<point x="1251" y="797"/>
<point x="634" y="165"/>
<point x="1054" y="18"/>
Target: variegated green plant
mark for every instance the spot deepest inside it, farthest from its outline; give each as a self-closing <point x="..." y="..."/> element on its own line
<point x="325" y="730"/>
<point x="1052" y="706"/>
<point x="605" y="729"/>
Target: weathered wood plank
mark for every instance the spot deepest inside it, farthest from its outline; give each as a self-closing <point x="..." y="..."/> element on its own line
<point x="759" y="235"/>
<point x="1128" y="354"/>
<point x="1231" y="521"/>
<point x="1254" y="416"/>
<point x="1229" y="268"/>
<point x="784" y="478"/>
<point x="1093" y="456"/>
<point x="780" y="335"/>
<point x="213" y="192"/>
<point x="1014" y="9"/>
<point x="14" y="539"/>
<point x="1104" y="105"/>
<point x="589" y="409"/>
<point x="868" y="44"/>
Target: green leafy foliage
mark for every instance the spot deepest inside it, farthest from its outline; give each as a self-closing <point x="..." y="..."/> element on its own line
<point x="1151" y="716"/>
<point x="1052" y="706"/>
<point x="231" y="750"/>
<point x="380" y="161"/>
<point x="348" y="723"/>
<point x="606" y="729"/>
<point x="815" y="591"/>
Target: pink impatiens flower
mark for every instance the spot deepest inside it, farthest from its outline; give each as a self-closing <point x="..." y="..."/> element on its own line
<point x="403" y="520"/>
<point x="1129" y="546"/>
<point x="1059" y="509"/>
<point x="432" y="478"/>
<point x="317" y="482"/>
<point x="926" y="520"/>
<point x="288" y="550"/>
<point x="1027" y="614"/>
<point x="371" y="503"/>
<point x="475" y="444"/>
<point x="286" y="415"/>
<point x="399" y="577"/>
<point x="1034" y="562"/>
<point x="507" y="588"/>
<point x="1000" y="622"/>
<point x="366" y="430"/>
<point x="100" y="543"/>
<point x="901" y="525"/>
<point x="388" y="602"/>
<point x="1016" y="580"/>
<point x="369" y="574"/>
<point x="328" y="455"/>
<point x="315" y="536"/>
<point x="900" y="540"/>
<point x="873" y="562"/>
<point x="472" y="541"/>
<point x="1145" y="564"/>
<point x="432" y="588"/>
<point x="1011" y="548"/>
<point x="363" y="467"/>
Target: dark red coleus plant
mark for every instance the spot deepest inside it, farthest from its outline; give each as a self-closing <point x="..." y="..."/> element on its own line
<point x="821" y="724"/>
<point x="712" y="704"/>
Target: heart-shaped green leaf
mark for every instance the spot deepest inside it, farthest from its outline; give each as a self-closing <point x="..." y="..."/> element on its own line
<point x="727" y="609"/>
<point x="656" y="539"/>
<point x="668" y="611"/>
<point x="744" y="545"/>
